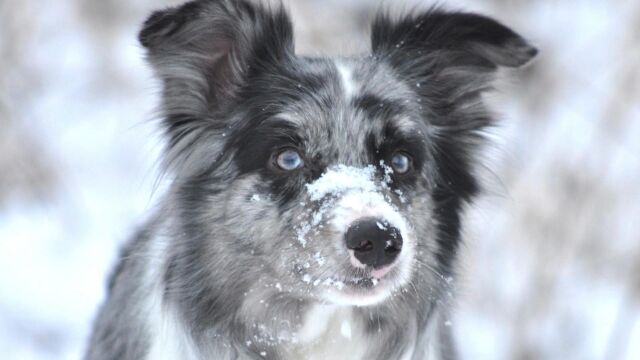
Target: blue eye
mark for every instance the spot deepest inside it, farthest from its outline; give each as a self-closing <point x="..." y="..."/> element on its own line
<point x="400" y="162"/>
<point x="289" y="160"/>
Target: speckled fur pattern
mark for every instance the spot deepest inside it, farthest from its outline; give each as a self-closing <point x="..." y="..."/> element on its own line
<point x="223" y="269"/>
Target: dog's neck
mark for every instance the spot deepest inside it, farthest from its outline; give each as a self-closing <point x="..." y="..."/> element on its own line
<point x="329" y="332"/>
<point x="335" y="332"/>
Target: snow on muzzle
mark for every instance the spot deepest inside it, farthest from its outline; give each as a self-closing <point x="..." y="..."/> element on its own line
<point x="359" y="207"/>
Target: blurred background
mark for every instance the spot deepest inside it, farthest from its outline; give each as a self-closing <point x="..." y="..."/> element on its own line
<point x="551" y="265"/>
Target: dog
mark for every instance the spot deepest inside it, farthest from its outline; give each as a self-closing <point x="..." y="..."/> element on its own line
<point x="315" y="204"/>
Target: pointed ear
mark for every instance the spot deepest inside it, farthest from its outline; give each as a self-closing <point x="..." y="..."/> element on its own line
<point x="459" y="39"/>
<point x="203" y="52"/>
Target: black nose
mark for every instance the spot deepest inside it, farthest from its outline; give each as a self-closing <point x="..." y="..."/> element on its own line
<point x="374" y="242"/>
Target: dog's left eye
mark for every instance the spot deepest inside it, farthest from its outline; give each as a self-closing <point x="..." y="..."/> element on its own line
<point x="289" y="159"/>
<point x="401" y="163"/>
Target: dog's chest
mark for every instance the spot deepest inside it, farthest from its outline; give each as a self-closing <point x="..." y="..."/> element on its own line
<point x="330" y="332"/>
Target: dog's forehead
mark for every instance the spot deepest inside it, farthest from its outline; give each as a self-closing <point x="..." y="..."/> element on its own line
<point x="352" y="100"/>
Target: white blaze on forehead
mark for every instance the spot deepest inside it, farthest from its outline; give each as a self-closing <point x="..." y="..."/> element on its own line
<point x="346" y="76"/>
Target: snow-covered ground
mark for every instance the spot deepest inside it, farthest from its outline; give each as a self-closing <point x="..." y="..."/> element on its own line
<point x="551" y="266"/>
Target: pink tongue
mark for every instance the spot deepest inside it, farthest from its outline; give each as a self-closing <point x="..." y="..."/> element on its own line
<point x="379" y="273"/>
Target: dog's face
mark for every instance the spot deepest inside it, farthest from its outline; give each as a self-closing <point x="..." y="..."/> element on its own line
<point x="336" y="168"/>
<point x="339" y="180"/>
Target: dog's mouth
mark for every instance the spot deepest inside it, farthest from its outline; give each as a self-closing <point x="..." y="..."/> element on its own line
<point x="362" y="283"/>
<point x="361" y="290"/>
<point x="371" y="278"/>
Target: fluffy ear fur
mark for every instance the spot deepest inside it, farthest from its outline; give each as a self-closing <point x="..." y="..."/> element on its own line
<point x="465" y="38"/>
<point x="453" y="54"/>
<point x="203" y="52"/>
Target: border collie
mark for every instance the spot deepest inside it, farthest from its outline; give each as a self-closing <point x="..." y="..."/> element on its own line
<point x="315" y="207"/>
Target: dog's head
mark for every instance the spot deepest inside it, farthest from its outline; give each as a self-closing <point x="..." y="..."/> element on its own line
<point x="339" y="180"/>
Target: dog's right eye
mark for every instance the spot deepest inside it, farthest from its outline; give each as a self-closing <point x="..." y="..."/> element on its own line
<point x="289" y="159"/>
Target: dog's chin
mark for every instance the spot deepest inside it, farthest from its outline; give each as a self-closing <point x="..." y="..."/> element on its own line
<point x="371" y="287"/>
<point x="360" y="292"/>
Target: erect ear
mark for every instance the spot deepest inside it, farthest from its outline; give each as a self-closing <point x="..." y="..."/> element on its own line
<point x="464" y="38"/>
<point x="454" y="48"/>
<point x="203" y="52"/>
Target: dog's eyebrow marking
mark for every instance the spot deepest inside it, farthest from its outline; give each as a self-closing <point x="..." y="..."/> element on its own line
<point x="346" y="76"/>
<point x="405" y="125"/>
<point x="377" y="107"/>
<point x="294" y="119"/>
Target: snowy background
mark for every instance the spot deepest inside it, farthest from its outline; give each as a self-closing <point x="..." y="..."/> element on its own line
<point x="551" y="267"/>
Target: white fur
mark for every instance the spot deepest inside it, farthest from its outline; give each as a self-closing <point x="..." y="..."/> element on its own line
<point x="349" y="86"/>
<point x="169" y="338"/>
<point x="330" y="332"/>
